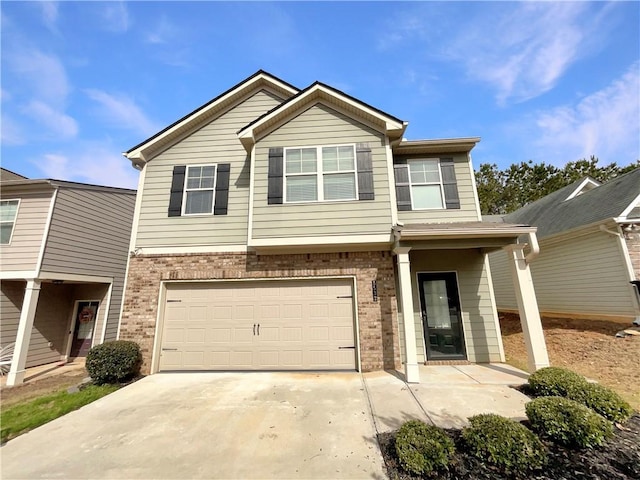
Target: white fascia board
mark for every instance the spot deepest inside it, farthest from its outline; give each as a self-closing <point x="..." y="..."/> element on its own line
<point x="583" y="184"/>
<point x="137" y="155"/>
<point x="178" y="250"/>
<point x="454" y="233"/>
<point x="385" y="239"/>
<point x="70" y="277"/>
<point x="18" y="275"/>
<point x="246" y="136"/>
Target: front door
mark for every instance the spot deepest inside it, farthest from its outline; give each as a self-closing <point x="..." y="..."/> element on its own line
<point x="85" y="323"/>
<point x="441" y="318"/>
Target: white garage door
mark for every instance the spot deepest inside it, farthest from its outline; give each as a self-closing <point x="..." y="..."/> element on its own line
<point x="262" y="325"/>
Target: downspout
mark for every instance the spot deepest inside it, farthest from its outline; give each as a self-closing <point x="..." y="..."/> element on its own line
<point x="535" y="248"/>
<point x="606" y="230"/>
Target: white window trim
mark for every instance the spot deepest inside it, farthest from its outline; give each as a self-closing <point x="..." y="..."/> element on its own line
<point x="411" y="184"/>
<point x="319" y="174"/>
<point x="15" y="218"/>
<point x="185" y="189"/>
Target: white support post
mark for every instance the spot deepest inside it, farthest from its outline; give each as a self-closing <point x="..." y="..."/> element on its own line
<point x="23" y="337"/>
<point x="537" y="356"/>
<point x="411" y="370"/>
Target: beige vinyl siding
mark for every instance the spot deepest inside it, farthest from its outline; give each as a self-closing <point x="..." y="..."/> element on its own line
<point x="23" y="251"/>
<point x="584" y="275"/>
<point x="468" y="211"/>
<point x="480" y="336"/>
<point x="11" y="298"/>
<point x="216" y="142"/>
<point x="89" y="235"/>
<point x="316" y="126"/>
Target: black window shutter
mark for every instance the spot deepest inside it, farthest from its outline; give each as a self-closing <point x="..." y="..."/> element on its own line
<point x="222" y="189"/>
<point x="177" y="188"/>
<point x="451" y="197"/>
<point x="365" y="172"/>
<point x="403" y="188"/>
<point x="274" y="195"/>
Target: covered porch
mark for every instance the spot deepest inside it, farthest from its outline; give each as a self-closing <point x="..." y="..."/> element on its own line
<point x="447" y="312"/>
<point x="48" y="321"/>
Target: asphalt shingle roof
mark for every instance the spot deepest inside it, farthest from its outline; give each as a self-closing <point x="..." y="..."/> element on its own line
<point x="553" y="214"/>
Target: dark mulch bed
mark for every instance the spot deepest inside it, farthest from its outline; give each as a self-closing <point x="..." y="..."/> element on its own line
<point x="617" y="459"/>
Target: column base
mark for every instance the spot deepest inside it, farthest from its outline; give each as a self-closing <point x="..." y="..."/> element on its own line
<point x="411" y="373"/>
<point x="15" y="378"/>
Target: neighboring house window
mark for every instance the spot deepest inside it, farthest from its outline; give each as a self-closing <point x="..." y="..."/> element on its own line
<point x="320" y="174"/>
<point x="8" y="213"/>
<point x="426" y="184"/>
<point x="199" y="189"/>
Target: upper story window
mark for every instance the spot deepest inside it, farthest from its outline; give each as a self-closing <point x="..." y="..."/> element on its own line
<point x="426" y="184"/>
<point x="8" y="213"/>
<point x="325" y="173"/>
<point x="199" y="189"/>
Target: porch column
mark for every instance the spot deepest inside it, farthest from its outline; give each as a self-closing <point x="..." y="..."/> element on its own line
<point x="528" y="307"/>
<point x="411" y="371"/>
<point x="23" y="337"/>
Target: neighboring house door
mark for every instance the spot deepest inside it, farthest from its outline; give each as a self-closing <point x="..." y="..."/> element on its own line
<point x="441" y="318"/>
<point x="85" y="323"/>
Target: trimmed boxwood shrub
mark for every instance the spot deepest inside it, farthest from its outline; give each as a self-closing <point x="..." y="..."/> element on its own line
<point x="555" y="381"/>
<point x="504" y="443"/>
<point x="423" y="448"/>
<point x="114" y="362"/>
<point x="568" y="422"/>
<point x="604" y="401"/>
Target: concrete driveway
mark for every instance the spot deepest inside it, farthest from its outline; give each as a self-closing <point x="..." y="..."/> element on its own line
<point x="249" y="425"/>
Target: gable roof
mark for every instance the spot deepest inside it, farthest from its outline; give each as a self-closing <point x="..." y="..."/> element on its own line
<point x="139" y="154"/>
<point x="555" y="213"/>
<point x="9" y="175"/>
<point x="318" y="91"/>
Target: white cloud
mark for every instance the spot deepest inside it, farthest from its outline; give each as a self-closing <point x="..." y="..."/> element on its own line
<point x="605" y="124"/>
<point x="57" y="122"/>
<point x="123" y="112"/>
<point x="44" y="73"/>
<point x="49" y="14"/>
<point x="520" y="49"/>
<point x="93" y="162"/>
<point x="163" y="33"/>
<point x="115" y="16"/>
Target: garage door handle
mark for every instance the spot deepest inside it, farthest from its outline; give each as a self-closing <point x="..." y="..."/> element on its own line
<point x="169" y="349"/>
<point x="258" y="329"/>
<point x="342" y="348"/>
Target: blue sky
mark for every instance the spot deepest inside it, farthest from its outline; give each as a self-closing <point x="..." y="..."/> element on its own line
<point x="550" y="81"/>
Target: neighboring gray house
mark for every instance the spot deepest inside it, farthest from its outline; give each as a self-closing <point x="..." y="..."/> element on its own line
<point x="589" y="238"/>
<point x="63" y="250"/>
<point x="279" y="228"/>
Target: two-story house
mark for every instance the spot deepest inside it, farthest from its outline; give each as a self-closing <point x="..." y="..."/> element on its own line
<point x="63" y="252"/>
<point x="286" y="229"/>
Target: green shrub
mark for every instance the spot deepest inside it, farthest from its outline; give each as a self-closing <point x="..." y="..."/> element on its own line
<point x="114" y="362"/>
<point x="568" y="422"/>
<point x="504" y="443"/>
<point x="555" y="381"/>
<point x="422" y="448"/>
<point x="604" y="401"/>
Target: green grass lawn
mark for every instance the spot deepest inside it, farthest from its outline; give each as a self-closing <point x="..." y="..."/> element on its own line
<point x="25" y="416"/>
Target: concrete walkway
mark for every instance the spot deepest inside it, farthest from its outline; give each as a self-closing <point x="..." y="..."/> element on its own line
<point x="250" y="425"/>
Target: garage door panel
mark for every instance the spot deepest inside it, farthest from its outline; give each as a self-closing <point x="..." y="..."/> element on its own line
<point x="303" y="324"/>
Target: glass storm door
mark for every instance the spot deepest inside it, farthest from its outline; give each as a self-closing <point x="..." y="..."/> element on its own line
<point x="84" y="328"/>
<point x="441" y="318"/>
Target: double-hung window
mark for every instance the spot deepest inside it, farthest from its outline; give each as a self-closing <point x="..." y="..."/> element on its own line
<point x="8" y="213"/>
<point x="426" y="184"/>
<point x="317" y="174"/>
<point x="199" y="190"/>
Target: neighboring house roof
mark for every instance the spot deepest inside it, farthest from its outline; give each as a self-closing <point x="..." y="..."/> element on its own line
<point x="49" y="182"/>
<point x="9" y="175"/>
<point x="315" y="92"/>
<point x="182" y="126"/>
<point x="561" y="210"/>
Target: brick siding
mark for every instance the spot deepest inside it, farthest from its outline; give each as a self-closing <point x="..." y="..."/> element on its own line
<point x="633" y="245"/>
<point x="378" y="324"/>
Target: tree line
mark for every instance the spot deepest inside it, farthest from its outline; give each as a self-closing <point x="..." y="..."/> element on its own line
<point x="503" y="191"/>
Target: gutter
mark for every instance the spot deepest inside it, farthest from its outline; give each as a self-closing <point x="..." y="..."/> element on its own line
<point x="535" y="248"/>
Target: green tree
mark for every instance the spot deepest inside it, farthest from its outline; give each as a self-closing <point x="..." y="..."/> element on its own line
<point x="503" y="191"/>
